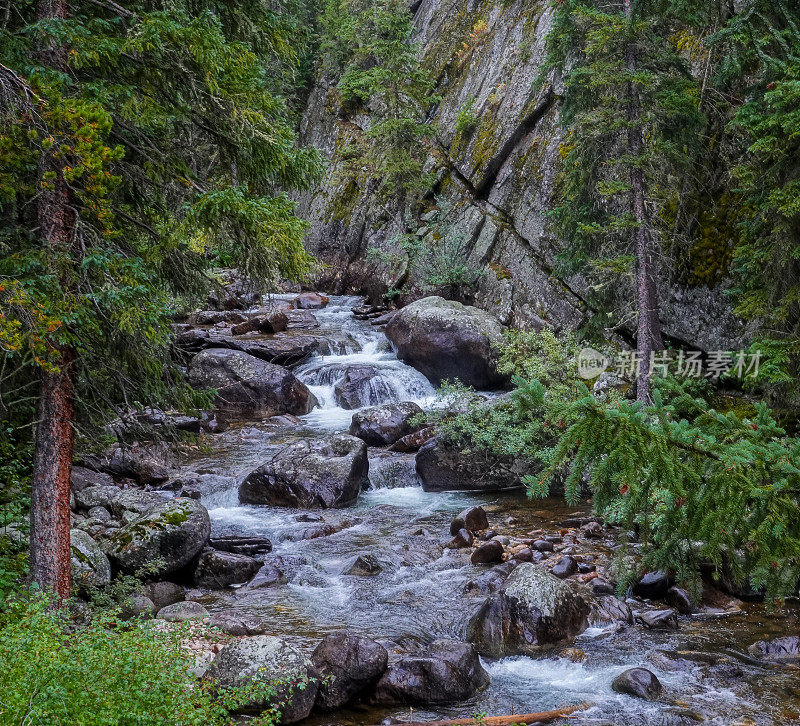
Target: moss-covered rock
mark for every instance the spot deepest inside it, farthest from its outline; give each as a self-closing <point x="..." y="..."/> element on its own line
<point x="165" y="539"/>
<point x="532" y="611"/>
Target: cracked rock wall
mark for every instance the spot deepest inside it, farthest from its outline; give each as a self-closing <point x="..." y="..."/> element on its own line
<point x="499" y="176"/>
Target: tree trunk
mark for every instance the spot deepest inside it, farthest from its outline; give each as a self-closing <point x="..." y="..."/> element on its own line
<point x="648" y="335"/>
<point x="52" y="465"/>
<point x="54" y="437"/>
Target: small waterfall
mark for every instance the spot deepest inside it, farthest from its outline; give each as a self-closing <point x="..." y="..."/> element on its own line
<point x="376" y="374"/>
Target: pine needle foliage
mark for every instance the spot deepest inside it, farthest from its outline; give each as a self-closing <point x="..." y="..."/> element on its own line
<point x="368" y="46"/>
<point x="705" y="490"/>
<point x="760" y="49"/>
<point x="700" y="487"/>
<point x="543" y="369"/>
<point x="167" y="122"/>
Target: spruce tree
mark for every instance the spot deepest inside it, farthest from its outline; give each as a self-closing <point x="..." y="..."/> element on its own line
<point x="630" y="113"/>
<point x="701" y="487"/>
<point x="140" y="145"/>
<point x="760" y="49"/>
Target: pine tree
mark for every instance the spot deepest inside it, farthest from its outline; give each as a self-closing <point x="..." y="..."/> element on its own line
<point x="140" y="145"/>
<point x="53" y="443"/>
<point x="630" y="113"/>
<point x="760" y="49"/>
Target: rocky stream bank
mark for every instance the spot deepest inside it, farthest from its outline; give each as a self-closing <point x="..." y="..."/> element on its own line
<point x="319" y="535"/>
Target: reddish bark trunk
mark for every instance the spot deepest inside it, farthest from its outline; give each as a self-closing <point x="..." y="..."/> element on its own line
<point x="52" y="465"/>
<point x="648" y="334"/>
<point x="54" y="438"/>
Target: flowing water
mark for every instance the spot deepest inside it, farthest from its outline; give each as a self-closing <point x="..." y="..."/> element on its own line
<point x="418" y="596"/>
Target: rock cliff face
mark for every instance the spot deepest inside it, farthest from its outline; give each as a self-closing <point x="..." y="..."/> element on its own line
<point x="498" y="176"/>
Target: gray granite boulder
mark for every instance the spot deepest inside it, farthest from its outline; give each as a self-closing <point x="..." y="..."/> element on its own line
<point x="348" y="666"/>
<point x="446" y="340"/>
<point x="532" y="610"/>
<point x="780" y="650"/>
<point x="446" y="467"/>
<point x="183" y="611"/>
<point x="268" y="660"/>
<point x="217" y="570"/>
<point x="446" y="671"/>
<point x="639" y="683"/>
<point x="310" y="474"/>
<point x="248" y="387"/>
<point x="383" y="425"/>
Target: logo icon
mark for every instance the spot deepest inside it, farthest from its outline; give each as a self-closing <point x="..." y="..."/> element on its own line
<point x="591" y="363"/>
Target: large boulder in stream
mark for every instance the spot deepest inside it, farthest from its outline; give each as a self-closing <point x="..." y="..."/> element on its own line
<point x="446" y="467"/>
<point x="383" y="425"/>
<point x="166" y="538"/>
<point x="446" y="340"/>
<point x="284" y="350"/>
<point x="310" y="474"/>
<point x="447" y="671"/>
<point x="532" y="610"/>
<point x="248" y="387"/>
<point x="267" y="659"/>
<point x="348" y="665"/>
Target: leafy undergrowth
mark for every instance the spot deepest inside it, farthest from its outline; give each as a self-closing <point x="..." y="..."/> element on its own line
<point x="107" y="672"/>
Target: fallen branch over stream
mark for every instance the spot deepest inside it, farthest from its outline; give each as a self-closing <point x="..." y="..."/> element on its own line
<point x="517" y="718"/>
